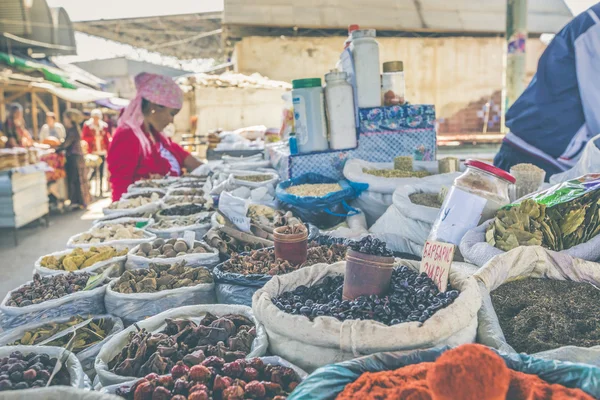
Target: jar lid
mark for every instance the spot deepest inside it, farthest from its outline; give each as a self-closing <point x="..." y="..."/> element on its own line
<point x="364" y="33"/>
<point x="393" y="66"/>
<point x="306" y="83"/>
<point x="352" y="28"/>
<point x="500" y="173"/>
<point x="336" y="75"/>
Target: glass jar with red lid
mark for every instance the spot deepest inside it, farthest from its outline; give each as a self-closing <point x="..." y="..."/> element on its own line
<point x="475" y="197"/>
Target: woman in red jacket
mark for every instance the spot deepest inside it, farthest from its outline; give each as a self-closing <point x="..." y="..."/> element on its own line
<point x="139" y="149"/>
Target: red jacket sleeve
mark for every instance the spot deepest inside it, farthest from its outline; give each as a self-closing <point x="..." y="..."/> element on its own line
<point x="88" y="136"/>
<point x="123" y="158"/>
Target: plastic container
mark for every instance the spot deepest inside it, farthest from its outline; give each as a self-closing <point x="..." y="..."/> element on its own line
<point x="365" y="52"/>
<point x="340" y="111"/>
<point x="351" y="28"/>
<point x="366" y="275"/>
<point x="529" y="180"/>
<point x="309" y="115"/>
<point x="291" y="247"/>
<point x="475" y="197"/>
<point x="393" y="85"/>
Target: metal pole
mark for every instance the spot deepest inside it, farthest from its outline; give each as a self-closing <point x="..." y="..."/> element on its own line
<point x="515" y="60"/>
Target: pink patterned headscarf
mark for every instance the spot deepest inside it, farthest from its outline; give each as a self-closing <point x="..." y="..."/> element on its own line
<point x="157" y="89"/>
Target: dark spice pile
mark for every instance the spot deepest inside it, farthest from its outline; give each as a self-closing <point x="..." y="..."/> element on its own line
<point x="543" y="314"/>
<point x="20" y="371"/>
<point x="47" y="288"/>
<point x="373" y="247"/>
<point x="265" y="262"/>
<point x="412" y="297"/>
<point x="183" y="210"/>
<point x="229" y="338"/>
<point x="160" y="277"/>
<point x="215" y="379"/>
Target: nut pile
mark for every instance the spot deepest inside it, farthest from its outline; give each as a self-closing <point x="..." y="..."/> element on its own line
<point x="412" y="297"/>
<point x="213" y="342"/>
<point x="215" y="379"/>
<point x="80" y="258"/>
<point x="182" y="210"/>
<point x="373" y="247"/>
<point x="179" y="222"/>
<point x="314" y="190"/>
<point x="161" y="277"/>
<point x="94" y="332"/>
<point x="108" y="233"/>
<point x="161" y="248"/>
<point x="135" y="201"/>
<point x="253" y="178"/>
<point x="19" y="372"/>
<point x="264" y="261"/>
<point x="47" y="288"/>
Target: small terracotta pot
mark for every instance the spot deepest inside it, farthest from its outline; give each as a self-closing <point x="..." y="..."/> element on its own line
<point x="291" y="247"/>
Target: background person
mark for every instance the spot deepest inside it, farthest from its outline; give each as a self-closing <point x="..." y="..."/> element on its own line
<point x="139" y="149"/>
<point x="14" y="128"/>
<point x="97" y="136"/>
<point x="52" y="128"/>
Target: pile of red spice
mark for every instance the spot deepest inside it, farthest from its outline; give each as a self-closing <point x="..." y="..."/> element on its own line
<point x="468" y="372"/>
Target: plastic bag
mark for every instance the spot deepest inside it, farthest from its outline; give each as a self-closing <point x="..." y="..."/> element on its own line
<point x="326" y="211"/>
<point x="234" y="288"/>
<point x="202" y="225"/>
<point x="119" y="244"/>
<point x="589" y="163"/>
<point x="85" y="302"/>
<point x="86" y="357"/>
<point x="157" y="324"/>
<point x="98" y="267"/>
<point x="405" y="226"/>
<point x="329" y="381"/>
<point x="354" y="228"/>
<point x="135" y="307"/>
<point x="530" y="262"/>
<point x="476" y="250"/>
<point x="78" y="377"/>
<point x="208" y="259"/>
<point x="312" y="344"/>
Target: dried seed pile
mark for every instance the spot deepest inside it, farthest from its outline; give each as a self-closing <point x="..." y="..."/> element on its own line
<point x="314" y="190"/>
<point x="426" y="199"/>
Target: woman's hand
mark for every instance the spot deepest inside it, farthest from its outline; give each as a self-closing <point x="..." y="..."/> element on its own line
<point x="191" y="163"/>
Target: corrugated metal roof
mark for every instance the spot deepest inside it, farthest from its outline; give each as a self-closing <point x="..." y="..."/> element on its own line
<point x="395" y="15"/>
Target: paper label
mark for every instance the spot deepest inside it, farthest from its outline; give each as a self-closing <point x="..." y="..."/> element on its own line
<point x="190" y="238"/>
<point x="436" y="261"/>
<point x="300" y="122"/>
<point x="461" y="212"/>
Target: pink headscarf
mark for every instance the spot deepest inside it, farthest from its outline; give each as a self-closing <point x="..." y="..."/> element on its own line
<point x="157" y="89"/>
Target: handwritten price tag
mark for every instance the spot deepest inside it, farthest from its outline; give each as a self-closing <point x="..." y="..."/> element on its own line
<point x="436" y="261"/>
<point x="189" y="237"/>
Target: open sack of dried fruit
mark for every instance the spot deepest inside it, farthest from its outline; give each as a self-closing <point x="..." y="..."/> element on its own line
<point x="231" y="180"/>
<point x="318" y="199"/>
<point x="172" y="251"/>
<point x="142" y="202"/>
<point x="238" y="278"/>
<point x="406" y="224"/>
<point x="470" y="371"/>
<point x="383" y="180"/>
<point x="145" y="292"/>
<point x="116" y="235"/>
<point x="310" y="325"/>
<point x="564" y="218"/>
<point x="91" y="334"/>
<point x="256" y="378"/>
<point x="30" y="367"/>
<point x="190" y="334"/>
<point x="542" y="303"/>
<point x="134" y="222"/>
<point x="175" y="227"/>
<point x="54" y="296"/>
<point x="94" y="259"/>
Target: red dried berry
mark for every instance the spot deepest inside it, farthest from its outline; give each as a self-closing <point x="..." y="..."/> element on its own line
<point x="221" y="383"/>
<point x="198" y="396"/>
<point x="198" y="388"/>
<point x="214" y="361"/>
<point x="200" y="373"/>
<point x="233" y="369"/>
<point x="161" y="393"/>
<point x="181" y="386"/>
<point x="166" y="381"/>
<point x="255" y="390"/>
<point x="179" y="370"/>
<point x="250" y="374"/>
<point x="233" y="393"/>
<point x="30" y="375"/>
<point x="144" y="391"/>
<point x="256" y="363"/>
<point x="178" y="397"/>
<point x="272" y="389"/>
<point x="151" y="377"/>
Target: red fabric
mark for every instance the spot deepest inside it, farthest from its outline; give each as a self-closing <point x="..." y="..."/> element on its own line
<point x="89" y="136"/>
<point x="127" y="163"/>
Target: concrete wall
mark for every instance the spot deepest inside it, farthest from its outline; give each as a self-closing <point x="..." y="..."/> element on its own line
<point x="448" y="72"/>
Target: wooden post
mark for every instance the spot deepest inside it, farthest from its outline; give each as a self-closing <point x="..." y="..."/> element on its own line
<point x="55" y="107"/>
<point x="34" y="116"/>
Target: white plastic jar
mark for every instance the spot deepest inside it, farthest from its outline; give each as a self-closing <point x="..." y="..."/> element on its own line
<point x="393" y="85"/>
<point x="340" y="111"/>
<point x="475" y="197"/>
<point x="365" y="52"/>
<point x="309" y="115"/>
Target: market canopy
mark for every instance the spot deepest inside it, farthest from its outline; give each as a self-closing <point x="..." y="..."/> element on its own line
<point x="78" y="95"/>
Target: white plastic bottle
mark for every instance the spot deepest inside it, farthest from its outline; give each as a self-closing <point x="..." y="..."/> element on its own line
<point x="309" y="115"/>
<point x="340" y="111"/>
<point x="365" y="52"/>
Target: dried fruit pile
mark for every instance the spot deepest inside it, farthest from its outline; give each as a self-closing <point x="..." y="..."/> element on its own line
<point x="426" y="199"/>
<point x="264" y="261"/>
<point x="94" y="332"/>
<point x="108" y="233"/>
<point x="180" y="222"/>
<point x="47" y="288"/>
<point x="395" y="173"/>
<point x="314" y="189"/>
<point x="412" y="297"/>
<point x="161" y="277"/>
<point x="182" y="210"/>
<point x="544" y="314"/>
<point x="214" y="342"/>
<point x="161" y="248"/>
<point x="214" y="379"/>
<point x="373" y="247"/>
<point x="135" y="201"/>
<point x="253" y="178"/>
<point x="19" y="372"/>
<point x="80" y="258"/>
